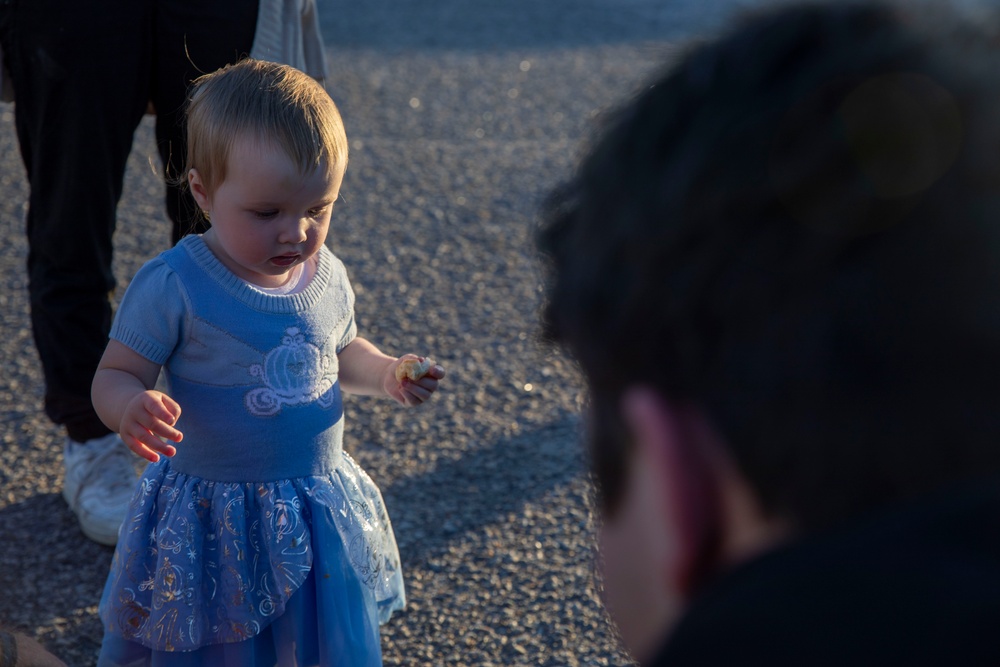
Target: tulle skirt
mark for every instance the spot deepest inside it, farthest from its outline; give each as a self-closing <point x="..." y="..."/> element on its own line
<point x="245" y="574"/>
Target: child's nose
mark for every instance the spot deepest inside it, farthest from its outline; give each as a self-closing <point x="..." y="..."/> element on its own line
<point x="295" y="231"/>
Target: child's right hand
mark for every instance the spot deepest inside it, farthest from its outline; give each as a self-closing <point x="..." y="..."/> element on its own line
<point x="148" y="417"/>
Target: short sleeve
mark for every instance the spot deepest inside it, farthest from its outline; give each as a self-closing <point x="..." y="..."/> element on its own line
<point x="150" y="316"/>
<point x="340" y="281"/>
<point x="350" y="334"/>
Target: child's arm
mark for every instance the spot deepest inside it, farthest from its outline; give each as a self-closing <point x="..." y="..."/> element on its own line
<point x="364" y="369"/>
<point x="126" y="402"/>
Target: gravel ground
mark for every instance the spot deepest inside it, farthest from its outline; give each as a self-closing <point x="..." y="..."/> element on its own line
<point x="461" y="116"/>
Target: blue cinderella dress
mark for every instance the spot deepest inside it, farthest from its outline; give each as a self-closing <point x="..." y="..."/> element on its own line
<point x="261" y="542"/>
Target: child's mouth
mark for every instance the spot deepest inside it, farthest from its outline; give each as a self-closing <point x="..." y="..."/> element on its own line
<point x="284" y="260"/>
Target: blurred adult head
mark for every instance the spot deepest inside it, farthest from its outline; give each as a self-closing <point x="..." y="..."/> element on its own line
<point x="778" y="268"/>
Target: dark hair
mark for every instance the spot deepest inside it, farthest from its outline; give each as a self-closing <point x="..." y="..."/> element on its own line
<point x="796" y="229"/>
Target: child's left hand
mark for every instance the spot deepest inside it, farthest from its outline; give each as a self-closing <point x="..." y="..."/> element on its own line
<point x="411" y="392"/>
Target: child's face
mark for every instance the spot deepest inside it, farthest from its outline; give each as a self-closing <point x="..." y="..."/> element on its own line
<point x="266" y="217"/>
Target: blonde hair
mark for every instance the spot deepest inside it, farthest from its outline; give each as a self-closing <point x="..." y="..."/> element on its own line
<point x="265" y="102"/>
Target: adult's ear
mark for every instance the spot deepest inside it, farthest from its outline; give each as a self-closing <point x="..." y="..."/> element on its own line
<point x="685" y="515"/>
<point x="658" y="544"/>
<point x="686" y="464"/>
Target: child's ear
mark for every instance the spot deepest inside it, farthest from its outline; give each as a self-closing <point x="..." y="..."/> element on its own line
<point x="198" y="190"/>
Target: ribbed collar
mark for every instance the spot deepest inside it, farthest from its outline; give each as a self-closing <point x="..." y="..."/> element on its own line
<point x="206" y="260"/>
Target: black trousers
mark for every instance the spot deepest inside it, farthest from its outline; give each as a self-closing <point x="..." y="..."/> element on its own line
<point x="83" y="74"/>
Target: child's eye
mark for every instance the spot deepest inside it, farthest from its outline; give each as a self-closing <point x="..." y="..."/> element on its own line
<point x="265" y="215"/>
<point x="316" y="212"/>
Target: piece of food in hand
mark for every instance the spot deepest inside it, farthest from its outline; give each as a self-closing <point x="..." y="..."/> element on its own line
<point x="413" y="369"/>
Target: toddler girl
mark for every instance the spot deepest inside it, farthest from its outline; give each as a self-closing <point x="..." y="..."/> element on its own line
<point x="256" y="540"/>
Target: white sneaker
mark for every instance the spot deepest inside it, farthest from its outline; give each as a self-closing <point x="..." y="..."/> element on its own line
<point x="98" y="485"/>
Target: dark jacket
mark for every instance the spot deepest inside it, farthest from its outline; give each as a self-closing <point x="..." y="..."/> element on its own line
<point x="912" y="585"/>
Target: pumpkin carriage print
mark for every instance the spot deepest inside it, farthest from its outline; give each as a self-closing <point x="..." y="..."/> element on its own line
<point x="293" y="373"/>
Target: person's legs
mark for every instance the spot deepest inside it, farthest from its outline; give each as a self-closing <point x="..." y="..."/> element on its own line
<point x="192" y="38"/>
<point x="80" y="78"/>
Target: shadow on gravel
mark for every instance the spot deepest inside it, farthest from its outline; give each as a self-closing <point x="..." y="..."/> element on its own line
<point x="514" y="24"/>
<point x="51" y="577"/>
<point x="482" y="486"/>
<point x="47" y="566"/>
